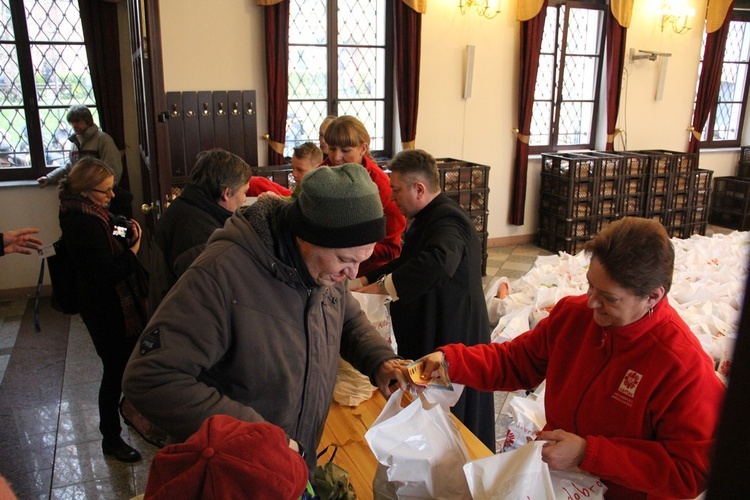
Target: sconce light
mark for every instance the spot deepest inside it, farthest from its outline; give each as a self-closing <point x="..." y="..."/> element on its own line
<point x="677" y="13"/>
<point x="482" y="7"/>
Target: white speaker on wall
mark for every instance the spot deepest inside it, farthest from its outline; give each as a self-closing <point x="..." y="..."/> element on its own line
<point x="468" y="71"/>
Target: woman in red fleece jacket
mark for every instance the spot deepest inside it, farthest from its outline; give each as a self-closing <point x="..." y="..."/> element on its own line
<point x="349" y="142"/>
<point x="631" y="396"/>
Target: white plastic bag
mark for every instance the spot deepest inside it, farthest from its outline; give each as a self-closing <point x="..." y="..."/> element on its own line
<point x="517" y="474"/>
<point x="353" y="387"/>
<point x="521" y="474"/>
<point x="422" y="448"/>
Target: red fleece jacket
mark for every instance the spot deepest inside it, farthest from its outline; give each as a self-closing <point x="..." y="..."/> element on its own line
<point x="644" y="396"/>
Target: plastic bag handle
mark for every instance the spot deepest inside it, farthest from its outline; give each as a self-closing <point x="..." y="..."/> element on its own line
<point x="324" y="450"/>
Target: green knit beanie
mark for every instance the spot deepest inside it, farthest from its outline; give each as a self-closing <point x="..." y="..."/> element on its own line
<point x="338" y="207"/>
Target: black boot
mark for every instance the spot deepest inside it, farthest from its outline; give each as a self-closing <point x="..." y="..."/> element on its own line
<point x="120" y="450"/>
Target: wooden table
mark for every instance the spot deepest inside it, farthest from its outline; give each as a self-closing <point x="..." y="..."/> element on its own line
<point x="346" y="427"/>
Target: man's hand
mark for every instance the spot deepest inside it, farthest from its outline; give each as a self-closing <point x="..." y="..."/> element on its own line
<point x="19" y="241"/>
<point x="43" y="181"/>
<point x="393" y="369"/>
<point x="563" y="449"/>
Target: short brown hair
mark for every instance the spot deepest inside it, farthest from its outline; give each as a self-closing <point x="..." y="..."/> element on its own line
<point x="417" y="165"/>
<point x="310" y="151"/>
<point x="86" y="174"/>
<point x="637" y="253"/>
<point x="217" y="169"/>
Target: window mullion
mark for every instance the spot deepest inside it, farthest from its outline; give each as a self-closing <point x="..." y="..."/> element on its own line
<point x="333" y="56"/>
<point x="560" y="48"/>
<point x="28" y="87"/>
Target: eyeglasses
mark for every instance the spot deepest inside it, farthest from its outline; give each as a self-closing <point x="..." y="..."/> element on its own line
<point x="107" y="192"/>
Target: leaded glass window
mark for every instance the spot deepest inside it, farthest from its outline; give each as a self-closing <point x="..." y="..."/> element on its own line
<point x="567" y="86"/>
<point x="724" y="125"/>
<point x="43" y="71"/>
<point x="340" y="71"/>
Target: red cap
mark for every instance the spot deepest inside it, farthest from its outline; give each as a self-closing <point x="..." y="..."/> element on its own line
<point x="228" y="458"/>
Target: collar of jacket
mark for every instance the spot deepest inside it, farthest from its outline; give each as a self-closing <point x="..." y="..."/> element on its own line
<point x="195" y="196"/>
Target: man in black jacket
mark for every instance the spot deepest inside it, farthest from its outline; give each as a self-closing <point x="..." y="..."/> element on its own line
<point x="436" y="282"/>
<point x="216" y="189"/>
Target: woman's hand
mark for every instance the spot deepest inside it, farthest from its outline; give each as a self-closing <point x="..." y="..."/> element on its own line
<point x="563" y="449"/>
<point x="135" y="242"/>
<point x="432" y="364"/>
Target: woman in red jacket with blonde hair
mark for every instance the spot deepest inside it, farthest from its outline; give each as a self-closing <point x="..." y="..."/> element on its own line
<point x="349" y="142"/>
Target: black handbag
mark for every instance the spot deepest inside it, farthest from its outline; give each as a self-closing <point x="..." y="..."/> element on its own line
<point x="62" y="274"/>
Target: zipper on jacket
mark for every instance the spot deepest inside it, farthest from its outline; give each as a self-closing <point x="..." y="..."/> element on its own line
<point x="605" y="336"/>
<point x="306" y="376"/>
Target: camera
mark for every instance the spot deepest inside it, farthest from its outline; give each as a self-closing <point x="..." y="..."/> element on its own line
<point x="122" y="227"/>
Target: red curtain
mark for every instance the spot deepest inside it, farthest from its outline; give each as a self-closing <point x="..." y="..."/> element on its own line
<point x="277" y="74"/>
<point x="408" y="33"/>
<point x="102" y="40"/>
<point x="616" y="36"/>
<point x="531" y="43"/>
<point x="709" y="81"/>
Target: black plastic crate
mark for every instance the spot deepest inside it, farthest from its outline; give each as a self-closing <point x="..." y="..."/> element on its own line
<point x="479" y="221"/>
<point x="570" y="228"/>
<point x="700" y="197"/>
<point x="732" y="186"/>
<point x="679" y="217"/>
<point x="458" y="175"/>
<point x="632" y="204"/>
<point x="634" y="163"/>
<point x="679" y="200"/>
<point x="659" y="183"/>
<point x="730" y="220"/>
<point x="633" y="185"/>
<point x="570" y="165"/>
<point x="609" y="187"/>
<point x="608" y="206"/>
<point x="743" y="169"/>
<point x="656" y="202"/>
<point x="699" y="214"/>
<point x="728" y="203"/>
<point x="572" y="187"/>
<point x="681" y="181"/>
<point x="700" y="179"/>
<point x="556" y="243"/>
<point x="665" y="161"/>
<point x="745" y="153"/>
<point x="567" y="207"/>
<point x="610" y="164"/>
<point x="661" y="216"/>
<point x="471" y="201"/>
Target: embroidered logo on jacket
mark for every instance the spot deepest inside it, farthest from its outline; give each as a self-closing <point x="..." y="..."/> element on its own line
<point x="626" y="392"/>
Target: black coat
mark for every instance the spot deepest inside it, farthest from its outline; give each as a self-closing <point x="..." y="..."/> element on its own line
<point x="438" y="278"/>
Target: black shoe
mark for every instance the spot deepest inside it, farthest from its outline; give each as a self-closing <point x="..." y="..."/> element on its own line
<point x="121" y="451"/>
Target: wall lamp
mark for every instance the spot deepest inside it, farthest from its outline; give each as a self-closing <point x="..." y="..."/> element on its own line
<point x="678" y="14"/>
<point x="482" y="7"/>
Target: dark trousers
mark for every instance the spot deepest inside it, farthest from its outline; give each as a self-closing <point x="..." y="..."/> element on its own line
<point x="114" y="349"/>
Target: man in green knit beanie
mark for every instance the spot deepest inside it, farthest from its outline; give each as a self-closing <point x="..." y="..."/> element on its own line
<point x="255" y="327"/>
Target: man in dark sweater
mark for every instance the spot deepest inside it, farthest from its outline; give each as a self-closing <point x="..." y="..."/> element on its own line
<point x="217" y="188"/>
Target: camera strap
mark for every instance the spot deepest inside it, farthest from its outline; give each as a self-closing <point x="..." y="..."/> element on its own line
<point x="37" y="326"/>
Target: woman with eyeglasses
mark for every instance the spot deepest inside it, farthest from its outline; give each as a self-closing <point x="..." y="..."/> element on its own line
<point x="110" y="279"/>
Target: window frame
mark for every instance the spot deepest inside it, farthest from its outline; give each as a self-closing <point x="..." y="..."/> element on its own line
<point x="708" y="129"/>
<point x="32" y="109"/>
<point x="559" y="72"/>
<point x="332" y="99"/>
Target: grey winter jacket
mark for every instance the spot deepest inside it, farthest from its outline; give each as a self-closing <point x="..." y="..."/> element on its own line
<point x="239" y="334"/>
<point x="94" y="143"/>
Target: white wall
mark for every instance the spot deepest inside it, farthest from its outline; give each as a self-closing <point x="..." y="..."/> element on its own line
<point x="219" y="45"/>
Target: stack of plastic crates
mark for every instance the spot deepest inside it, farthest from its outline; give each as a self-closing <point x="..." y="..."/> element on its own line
<point x="568" y="202"/>
<point x="743" y="166"/>
<point x="731" y="203"/>
<point x="677" y="192"/>
<point x="467" y="184"/>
